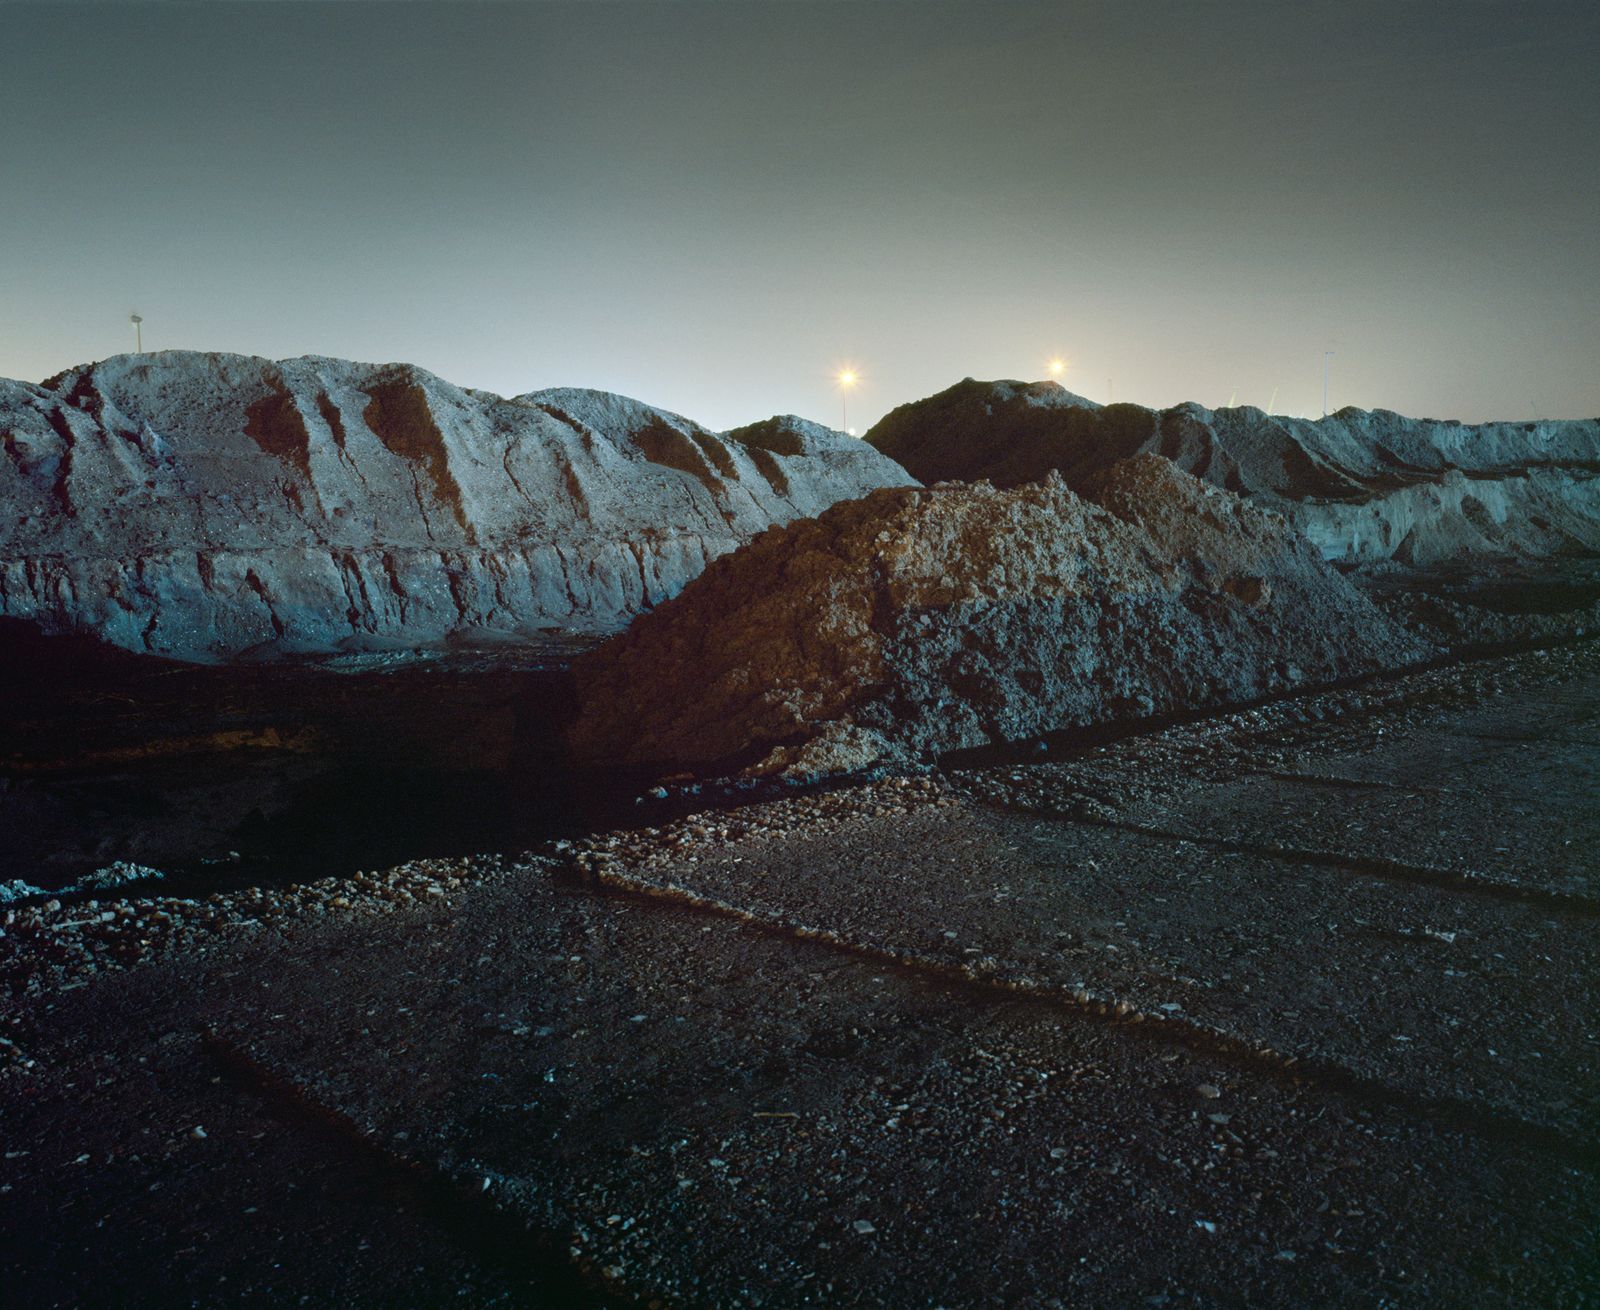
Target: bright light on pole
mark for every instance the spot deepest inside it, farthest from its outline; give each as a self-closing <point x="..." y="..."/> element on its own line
<point x="847" y="378"/>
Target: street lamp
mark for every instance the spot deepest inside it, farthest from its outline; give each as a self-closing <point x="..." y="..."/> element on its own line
<point x="138" y="332"/>
<point x="846" y="379"/>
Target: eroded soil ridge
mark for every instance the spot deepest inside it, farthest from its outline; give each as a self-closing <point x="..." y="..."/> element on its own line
<point x="206" y="506"/>
<point x="1368" y="486"/>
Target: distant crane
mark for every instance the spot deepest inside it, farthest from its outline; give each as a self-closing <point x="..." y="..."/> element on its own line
<point x="138" y="332"/>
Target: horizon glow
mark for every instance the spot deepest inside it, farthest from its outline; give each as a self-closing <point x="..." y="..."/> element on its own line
<point x="653" y="199"/>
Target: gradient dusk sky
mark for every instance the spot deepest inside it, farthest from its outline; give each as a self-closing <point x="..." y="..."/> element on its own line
<point x="712" y="206"/>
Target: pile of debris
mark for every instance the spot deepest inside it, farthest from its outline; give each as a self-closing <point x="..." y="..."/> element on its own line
<point x="920" y="621"/>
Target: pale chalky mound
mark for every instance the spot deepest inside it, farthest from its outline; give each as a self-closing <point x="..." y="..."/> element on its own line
<point x="206" y="506"/>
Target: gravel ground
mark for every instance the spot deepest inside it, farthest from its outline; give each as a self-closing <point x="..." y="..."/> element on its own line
<point x="1204" y="1016"/>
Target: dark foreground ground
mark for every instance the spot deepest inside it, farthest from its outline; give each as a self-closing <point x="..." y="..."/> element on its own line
<point x="284" y="771"/>
<point x="1291" y="1007"/>
<point x="248" y="774"/>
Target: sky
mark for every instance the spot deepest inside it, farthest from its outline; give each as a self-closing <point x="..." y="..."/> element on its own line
<point x="714" y="207"/>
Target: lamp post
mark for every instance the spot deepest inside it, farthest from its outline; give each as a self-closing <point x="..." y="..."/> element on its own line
<point x="847" y="378"/>
<point x="138" y="333"/>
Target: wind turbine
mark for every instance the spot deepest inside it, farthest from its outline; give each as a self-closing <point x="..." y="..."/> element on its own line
<point x="138" y="332"/>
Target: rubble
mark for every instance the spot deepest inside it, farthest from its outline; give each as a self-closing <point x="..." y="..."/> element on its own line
<point x="917" y="622"/>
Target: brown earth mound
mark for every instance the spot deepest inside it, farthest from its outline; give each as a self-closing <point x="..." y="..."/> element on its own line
<point x="917" y="621"/>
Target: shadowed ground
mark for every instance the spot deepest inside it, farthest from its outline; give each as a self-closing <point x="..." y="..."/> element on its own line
<point x="1287" y="1007"/>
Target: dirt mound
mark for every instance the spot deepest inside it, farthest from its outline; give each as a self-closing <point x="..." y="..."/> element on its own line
<point x="1363" y="485"/>
<point x="206" y="505"/>
<point x="919" y="621"/>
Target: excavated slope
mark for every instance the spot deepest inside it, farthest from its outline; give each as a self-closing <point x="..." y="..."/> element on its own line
<point x="1365" y="486"/>
<point x="206" y="505"/>
<point x="927" y="620"/>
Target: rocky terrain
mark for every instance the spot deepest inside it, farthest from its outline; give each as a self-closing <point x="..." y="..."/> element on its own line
<point x="1364" y="486"/>
<point x="209" y="506"/>
<point x="917" y="622"/>
<point x="1287" y="1006"/>
<point x="1197" y="928"/>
